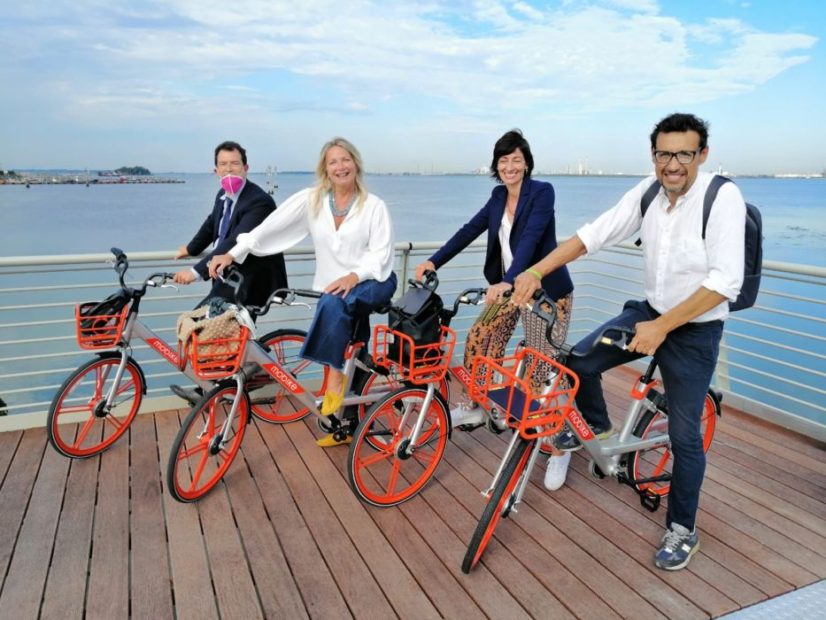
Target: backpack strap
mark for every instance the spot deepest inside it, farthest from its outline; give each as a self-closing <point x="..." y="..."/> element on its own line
<point x="711" y="195"/>
<point x="647" y="199"/>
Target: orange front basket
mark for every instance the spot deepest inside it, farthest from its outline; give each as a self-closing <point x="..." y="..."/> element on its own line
<point x="499" y="382"/>
<point x="417" y="363"/>
<point x="98" y="331"/>
<point x="216" y="358"/>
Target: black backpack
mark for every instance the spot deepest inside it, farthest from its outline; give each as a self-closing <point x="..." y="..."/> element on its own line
<point x="417" y="314"/>
<point x="753" y="265"/>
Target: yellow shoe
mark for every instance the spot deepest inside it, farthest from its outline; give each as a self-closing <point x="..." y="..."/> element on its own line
<point x="332" y="402"/>
<point x="329" y="441"/>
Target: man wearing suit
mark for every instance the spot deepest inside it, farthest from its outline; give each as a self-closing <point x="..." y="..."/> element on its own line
<point x="240" y="205"/>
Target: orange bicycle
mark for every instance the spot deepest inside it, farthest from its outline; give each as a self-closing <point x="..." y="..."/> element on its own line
<point x="639" y="456"/>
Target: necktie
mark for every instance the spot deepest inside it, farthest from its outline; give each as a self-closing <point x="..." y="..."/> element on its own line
<point x="224" y="226"/>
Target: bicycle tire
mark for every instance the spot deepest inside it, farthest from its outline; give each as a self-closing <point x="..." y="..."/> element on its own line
<point x="196" y="464"/>
<point x="378" y="470"/>
<point x="644" y="464"/>
<point x="78" y="425"/>
<point x="497" y="507"/>
<point x="390" y="383"/>
<point x="269" y="401"/>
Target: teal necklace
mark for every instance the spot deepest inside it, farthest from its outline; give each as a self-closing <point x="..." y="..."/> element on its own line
<point x="334" y="207"/>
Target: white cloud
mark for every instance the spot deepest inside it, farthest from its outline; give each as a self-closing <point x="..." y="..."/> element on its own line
<point x="480" y="59"/>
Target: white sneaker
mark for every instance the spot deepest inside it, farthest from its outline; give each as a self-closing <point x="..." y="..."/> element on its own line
<point x="466" y="414"/>
<point x="557" y="471"/>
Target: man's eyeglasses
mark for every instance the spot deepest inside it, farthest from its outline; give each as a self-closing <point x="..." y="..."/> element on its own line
<point x="684" y="157"/>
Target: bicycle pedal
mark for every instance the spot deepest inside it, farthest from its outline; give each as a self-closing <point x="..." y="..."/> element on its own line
<point x="469" y="428"/>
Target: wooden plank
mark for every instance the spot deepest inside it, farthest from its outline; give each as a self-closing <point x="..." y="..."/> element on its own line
<point x="772" y="529"/>
<point x="25" y="581"/>
<point x="275" y="585"/>
<point x="65" y="595"/>
<point x="446" y="527"/>
<point x="761" y="472"/>
<point x="357" y="585"/>
<point x="8" y="446"/>
<point x="15" y="493"/>
<point x="774" y="498"/>
<point x="545" y="533"/>
<point x="191" y="580"/>
<point x="151" y="593"/>
<point x="108" y="593"/>
<point x="315" y="582"/>
<point x="585" y="526"/>
<point x="638" y="536"/>
<point x="402" y="591"/>
<point x="726" y="579"/>
<point x="234" y="588"/>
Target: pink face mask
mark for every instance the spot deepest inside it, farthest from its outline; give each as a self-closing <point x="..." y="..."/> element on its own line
<point x="231" y="183"/>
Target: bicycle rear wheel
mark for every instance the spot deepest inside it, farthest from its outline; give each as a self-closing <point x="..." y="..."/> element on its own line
<point x="646" y="464"/>
<point x="383" y="467"/>
<point x="268" y="398"/>
<point x="204" y="449"/>
<point x="499" y="505"/>
<point x="80" y="424"/>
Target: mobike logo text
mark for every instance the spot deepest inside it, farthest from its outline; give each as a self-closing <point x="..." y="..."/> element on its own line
<point x="461" y="373"/>
<point x="284" y="378"/>
<point x="581" y="428"/>
<point x="161" y="347"/>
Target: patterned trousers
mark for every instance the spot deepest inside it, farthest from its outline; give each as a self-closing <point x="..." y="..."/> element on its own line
<point x="490" y="333"/>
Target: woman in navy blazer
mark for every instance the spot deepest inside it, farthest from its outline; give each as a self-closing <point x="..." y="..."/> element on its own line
<point x="519" y="220"/>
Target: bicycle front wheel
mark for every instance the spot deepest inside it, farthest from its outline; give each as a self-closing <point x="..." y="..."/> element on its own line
<point x="207" y="443"/>
<point x="80" y="424"/>
<point x="384" y="466"/>
<point x="499" y="505"/>
<point x="656" y="462"/>
<point x="268" y="398"/>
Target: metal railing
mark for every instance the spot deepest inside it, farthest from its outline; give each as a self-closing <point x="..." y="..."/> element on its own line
<point x="771" y="361"/>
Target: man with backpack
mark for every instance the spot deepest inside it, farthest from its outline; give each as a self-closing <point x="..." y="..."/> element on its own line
<point x="688" y="278"/>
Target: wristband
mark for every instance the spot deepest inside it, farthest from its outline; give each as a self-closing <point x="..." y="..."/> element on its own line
<point x="534" y="272"/>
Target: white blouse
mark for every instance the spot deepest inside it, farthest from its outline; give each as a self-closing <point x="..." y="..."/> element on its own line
<point x="363" y="244"/>
<point x="505" y="241"/>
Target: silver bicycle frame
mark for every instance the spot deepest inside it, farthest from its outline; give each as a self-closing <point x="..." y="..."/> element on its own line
<point x="606" y="453"/>
<point x="136" y="329"/>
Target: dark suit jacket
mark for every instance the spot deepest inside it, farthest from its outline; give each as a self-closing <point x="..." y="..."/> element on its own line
<point x="262" y="274"/>
<point x="532" y="237"/>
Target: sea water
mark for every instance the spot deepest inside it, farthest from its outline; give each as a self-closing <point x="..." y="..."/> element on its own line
<point x="75" y="219"/>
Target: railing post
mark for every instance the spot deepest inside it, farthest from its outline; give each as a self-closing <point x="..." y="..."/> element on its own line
<point x="405" y="266"/>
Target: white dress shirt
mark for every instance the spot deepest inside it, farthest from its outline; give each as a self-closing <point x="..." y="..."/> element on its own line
<point x="363" y="244"/>
<point x="505" y="241"/>
<point x="677" y="262"/>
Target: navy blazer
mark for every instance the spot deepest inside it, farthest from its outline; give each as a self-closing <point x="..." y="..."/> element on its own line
<point x="262" y="274"/>
<point x="533" y="236"/>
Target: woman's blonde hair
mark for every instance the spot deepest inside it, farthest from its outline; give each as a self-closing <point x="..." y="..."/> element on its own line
<point x="323" y="183"/>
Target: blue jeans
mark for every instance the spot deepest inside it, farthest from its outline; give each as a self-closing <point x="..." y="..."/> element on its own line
<point x="332" y="327"/>
<point x="686" y="361"/>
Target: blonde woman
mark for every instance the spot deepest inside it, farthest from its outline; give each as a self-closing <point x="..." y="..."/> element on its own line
<point x="353" y="239"/>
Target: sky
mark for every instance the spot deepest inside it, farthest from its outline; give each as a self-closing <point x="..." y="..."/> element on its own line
<point x="417" y="86"/>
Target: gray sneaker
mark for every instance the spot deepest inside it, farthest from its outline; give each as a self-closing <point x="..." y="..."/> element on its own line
<point x="676" y="548"/>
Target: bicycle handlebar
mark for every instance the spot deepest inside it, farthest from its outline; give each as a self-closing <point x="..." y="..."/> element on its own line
<point x="121" y="265"/>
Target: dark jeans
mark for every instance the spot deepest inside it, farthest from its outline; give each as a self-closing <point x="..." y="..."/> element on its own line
<point x="686" y="361"/>
<point x="332" y="327"/>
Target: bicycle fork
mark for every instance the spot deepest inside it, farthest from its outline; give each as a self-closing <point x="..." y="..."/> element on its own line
<point x="522" y="485"/>
<point x="410" y="444"/>
<point x="222" y="436"/>
<point x="109" y="403"/>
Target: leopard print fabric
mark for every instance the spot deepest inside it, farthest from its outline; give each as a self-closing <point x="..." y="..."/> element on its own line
<point x="490" y="333"/>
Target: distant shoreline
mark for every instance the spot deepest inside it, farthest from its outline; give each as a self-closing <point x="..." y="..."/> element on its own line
<point x="70" y="177"/>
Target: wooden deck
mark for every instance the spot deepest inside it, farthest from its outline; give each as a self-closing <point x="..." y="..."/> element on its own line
<point x="285" y="537"/>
